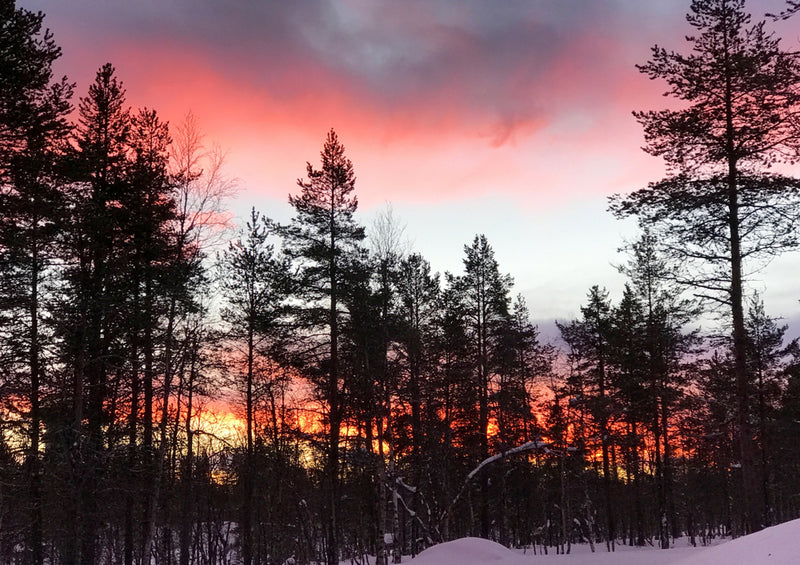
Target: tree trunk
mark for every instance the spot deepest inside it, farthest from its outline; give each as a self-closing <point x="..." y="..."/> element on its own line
<point x="130" y="497"/>
<point x="610" y="525"/>
<point x="669" y="499"/>
<point x="34" y="461"/>
<point x="157" y="474"/>
<point x="335" y="417"/>
<point x="483" y="412"/>
<point x="187" y="476"/>
<point x="246" y="529"/>
<point x="380" y="473"/>
<point x="749" y="503"/>
<point x="637" y="488"/>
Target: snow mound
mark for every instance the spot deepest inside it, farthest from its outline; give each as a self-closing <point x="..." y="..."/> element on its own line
<point x="778" y="545"/>
<point x="469" y="551"/>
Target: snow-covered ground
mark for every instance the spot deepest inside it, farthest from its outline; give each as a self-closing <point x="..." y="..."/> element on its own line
<point x="779" y="545"/>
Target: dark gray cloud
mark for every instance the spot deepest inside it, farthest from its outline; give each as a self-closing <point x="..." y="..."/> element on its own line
<point x="380" y="44"/>
<point x="506" y="62"/>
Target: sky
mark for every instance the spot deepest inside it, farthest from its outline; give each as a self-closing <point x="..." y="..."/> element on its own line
<point x="508" y="118"/>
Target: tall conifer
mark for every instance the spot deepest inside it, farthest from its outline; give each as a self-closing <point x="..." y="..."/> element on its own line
<point x="325" y="242"/>
<point x="33" y="128"/>
<point x="721" y="207"/>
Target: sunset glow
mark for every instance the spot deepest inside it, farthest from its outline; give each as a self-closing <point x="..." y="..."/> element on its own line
<point x="444" y="111"/>
<point x="331" y="281"/>
<point x="217" y="426"/>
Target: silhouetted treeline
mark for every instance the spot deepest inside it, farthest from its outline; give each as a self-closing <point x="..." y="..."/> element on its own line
<point x="379" y="406"/>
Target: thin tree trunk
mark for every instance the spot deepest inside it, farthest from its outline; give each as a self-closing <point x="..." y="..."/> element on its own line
<point x="749" y="502"/>
<point x="35" y="465"/>
<point x="610" y="525"/>
<point x="483" y="411"/>
<point x="148" y="462"/>
<point x="187" y="476"/>
<point x="335" y="418"/>
<point x="130" y="498"/>
<point x="669" y="499"/>
<point x="396" y="538"/>
<point x="637" y="488"/>
<point x="246" y="530"/>
<point x="765" y="463"/>
<point x="96" y="376"/>
<point x="152" y="501"/>
<point x="380" y="551"/>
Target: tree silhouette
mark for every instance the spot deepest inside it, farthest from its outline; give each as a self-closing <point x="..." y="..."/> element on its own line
<point x="254" y="282"/>
<point x="589" y="340"/>
<point x="721" y="208"/>
<point x="33" y="128"/>
<point x="324" y="241"/>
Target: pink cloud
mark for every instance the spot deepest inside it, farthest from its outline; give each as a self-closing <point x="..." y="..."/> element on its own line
<point x="430" y="108"/>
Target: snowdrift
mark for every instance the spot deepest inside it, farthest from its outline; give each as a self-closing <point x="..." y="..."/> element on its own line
<point x="470" y="551"/>
<point x="779" y="545"/>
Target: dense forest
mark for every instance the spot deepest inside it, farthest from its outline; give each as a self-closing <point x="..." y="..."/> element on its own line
<point x="379" y="406"/>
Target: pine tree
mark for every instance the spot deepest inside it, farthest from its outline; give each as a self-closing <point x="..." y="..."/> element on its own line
<point x="100" y="172"/>
<point x="146" y="209"/>
<point x="254" y="283"/>
<point x="520" y="362"/>
<point x="767" y="363"/>
<point x="451" y="434"/>
<point x="484" y="293"/>
<point x="636" y="406"/>
<point x="658" y="345"/>
<point x="33" y="129"/>
<point x="589" y="340"/>
<point x="324" y="241"/>
<point x="413" y="348"/>
<point x="721" y="208"/>
<point x="521" y="358"/>
<point x="373" y="330"/>
<point x="417" y="305"/>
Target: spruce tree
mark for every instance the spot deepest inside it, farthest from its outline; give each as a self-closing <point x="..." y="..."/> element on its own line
<point x="662" y="346"/>
<point x="141" y="276"/>
<point x="417" y="302"/>
<point x="451" y="434"/>
<point x="634" y="405"/>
